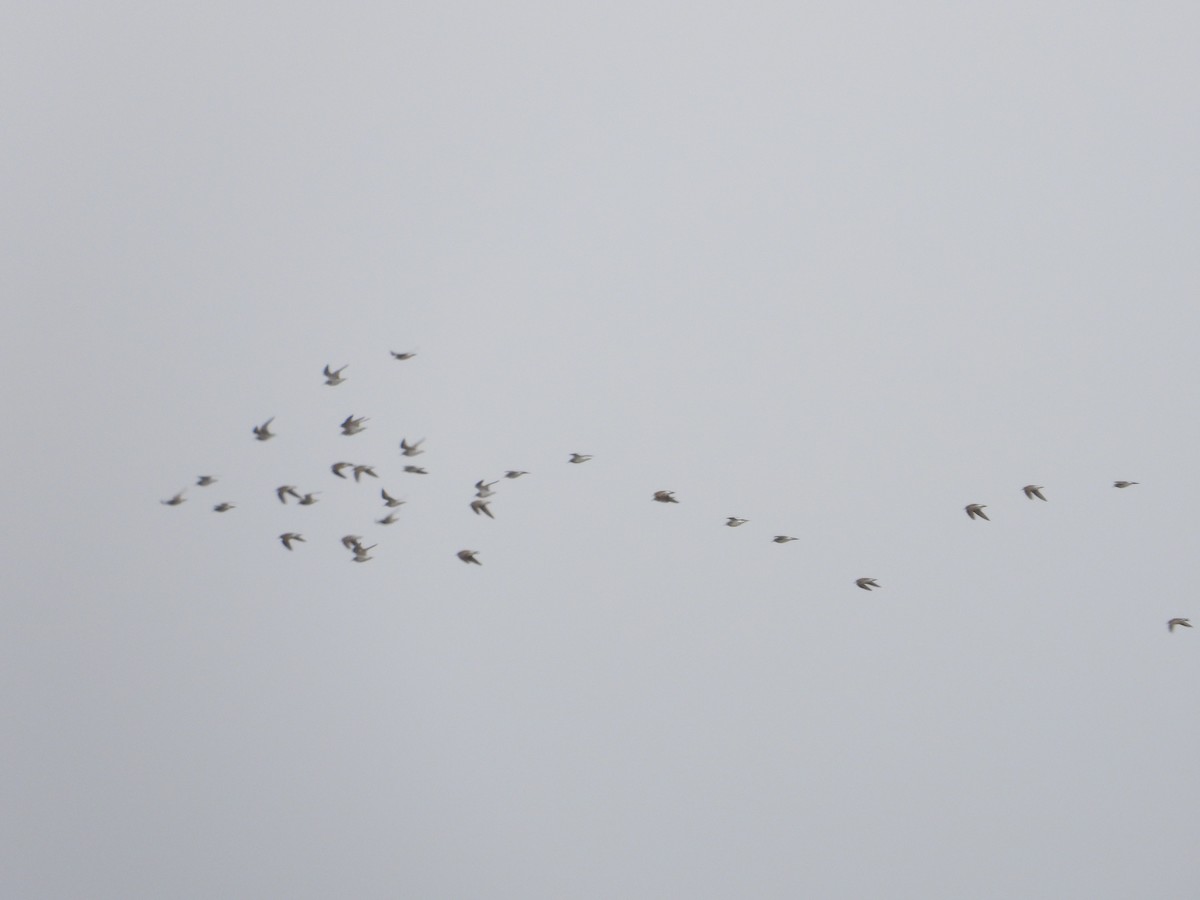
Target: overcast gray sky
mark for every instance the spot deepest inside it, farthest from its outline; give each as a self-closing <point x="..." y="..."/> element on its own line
<point x="837" y="268"/>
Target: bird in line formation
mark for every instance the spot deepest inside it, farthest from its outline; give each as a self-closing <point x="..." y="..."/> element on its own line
<point x="481" y="503"/>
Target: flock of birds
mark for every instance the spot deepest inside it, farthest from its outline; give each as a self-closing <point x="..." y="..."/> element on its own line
<point x="480" y="505"/>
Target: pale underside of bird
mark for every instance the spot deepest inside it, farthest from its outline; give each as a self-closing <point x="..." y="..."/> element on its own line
<point x="1124" y="484"/>
<point x="288" y="537"/>
<point x="223" y="507"/>
<point x="665" y="497"/>
<point x="396" y="355"/>
<point x="484" y="488"/>
<point x="286" y="490"/>
<point x="514" y="473"/>
<point x="263" y="432"/>
<point x="206" y="480"/>
<point x="976" y="510"/>
<point x="481" y="506"/>
<point x="174" y="501"/>
<point x="360" y="552"/>
<point x="866" y="583"/>
<point x="389" y="500"/>
<point x="361" y="470"/>
<point x="468" y="556"/>
<point x="579" y="457"/>
<point x="333" y="377"/>
<point x="413" y="449"/>
<point x="337" y="467"/>
<point x="734" y="521"/>
<point x="416" y="470"/>
<point x="1171" y="623"/>
<point x="1033" y="490"/>
<point x="350" y="541"/>
<point x="389" y="519"/>
<point x="353" y="425"/>
<point x="783" y="538"/>
<point x="309" y="499"/>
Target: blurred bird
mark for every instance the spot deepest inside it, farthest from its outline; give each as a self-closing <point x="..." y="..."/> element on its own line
<point x="514" y="473"/>
<point x="353" y="426"/>
<point x="413" y="449"/>
<point x="389" y="519"/>
<point x="484" y="488"/>
<point x="389" y="500"/>
<point x="350" y="541"/>
<point x="1171" y="623"/>
<point x="416" y="470"/>
<point x="334" y="378"/>
<point x="1033" y="490"/>
<point x="223" y="507"/>
<point x="734" y="521"/>
<point x="263" y="432"/>
<point x="396" y="355"/>
<point x="174" y="501"/>
<point x="468" y="556"/>
<point x="579" y="457"/>
<point x="283" y="490"/>
<point x="361" y="470"/>
<point x="337" y="467"/>
<point x="309" y="499"/>
<point x="481" y="506"/>
<point x="1124" y="484"/>
<point x="665" y="496"/>
<point x="976" y="509"/>
<point x="360" y="553"/>
<point x="290" y="536"/>
<point x="866" y="583"/>
<point x="783" y="539"/>
<point x="206" y="480"/>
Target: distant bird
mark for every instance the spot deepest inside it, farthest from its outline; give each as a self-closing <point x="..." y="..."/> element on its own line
<point x="866" y="583"/>
<point x="337" y="467"/>
<point x="1125" y="484"/>
<point x="484" y="488"/>
<point x="481" y="506"/>
<point x="263" y="432"/>
<point x="309" y="499"/>
<point x="1171" y="623"/>
<point x="353" y="426"/>
<point x="360" y="553"/>
<point x="174" y="501"/>
<point x="223" y="507"/>
<point x="350" y="541"/>
<point x="206" y="480"/>
<point x="665" y="497"/>
<point x="1033" y="490"/>
<point x="416" y="470"/>
<point x="284" y="489"/>
<point x="579" y="457"/>
<point x="783" y="539"/>
<point x="976" y="509"/>
<point x="290" y="536"/>
<point x="389" y="519"/>
<point x="396" y="355"/>
<point x="468" y="556"/>
<point x="361" y="470"/>
<point x="334" y="378"/>
<point x="734" y="521"/>
<point x="413" y="449"/>
<point x="389" y="500"/>
<point x="514" y="473"/>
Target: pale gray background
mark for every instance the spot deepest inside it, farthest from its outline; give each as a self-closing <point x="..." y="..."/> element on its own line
<point x="840" y="268"/>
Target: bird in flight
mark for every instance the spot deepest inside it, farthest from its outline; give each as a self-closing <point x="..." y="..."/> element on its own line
<point x="665" y="497"/>
<point x="361" y="470"/>
<point x="976" y="509"/>
<point x="289" y="536"/>
<point x="1171" y="623"/>
<point x="206" y="480"/>
<point x="350" y="541"/>
<point x="353" y="426"/>
<point x="337" y="467"/>
<point x="866" y="583"/>
<point x="1124" y="484"/>
<point x="389" y="519"/>
<point x="416" y="470"/>
<point x="396" y="355"/>
<point x="1033" y="490"/>
<point x="783" y="538"/>
<point x="579" y="457"/>
<point x="360" y="553"/>
<point x="334" y="377"/>
<point x="309" y="499"/>
<point x="734" y="521"/>
<point x="284" y="490"/>
<point x="174" y="501"/>
<point x="263" y="432"/>
<point x="514" y="473"/>
<point x="389" y="500"/>
<point x="484" y="488"/>
<point x="468" y="556"/>
<point x="413" y="449"/>
<point x="223" y="507"/>
<point x="481" y="506"/>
